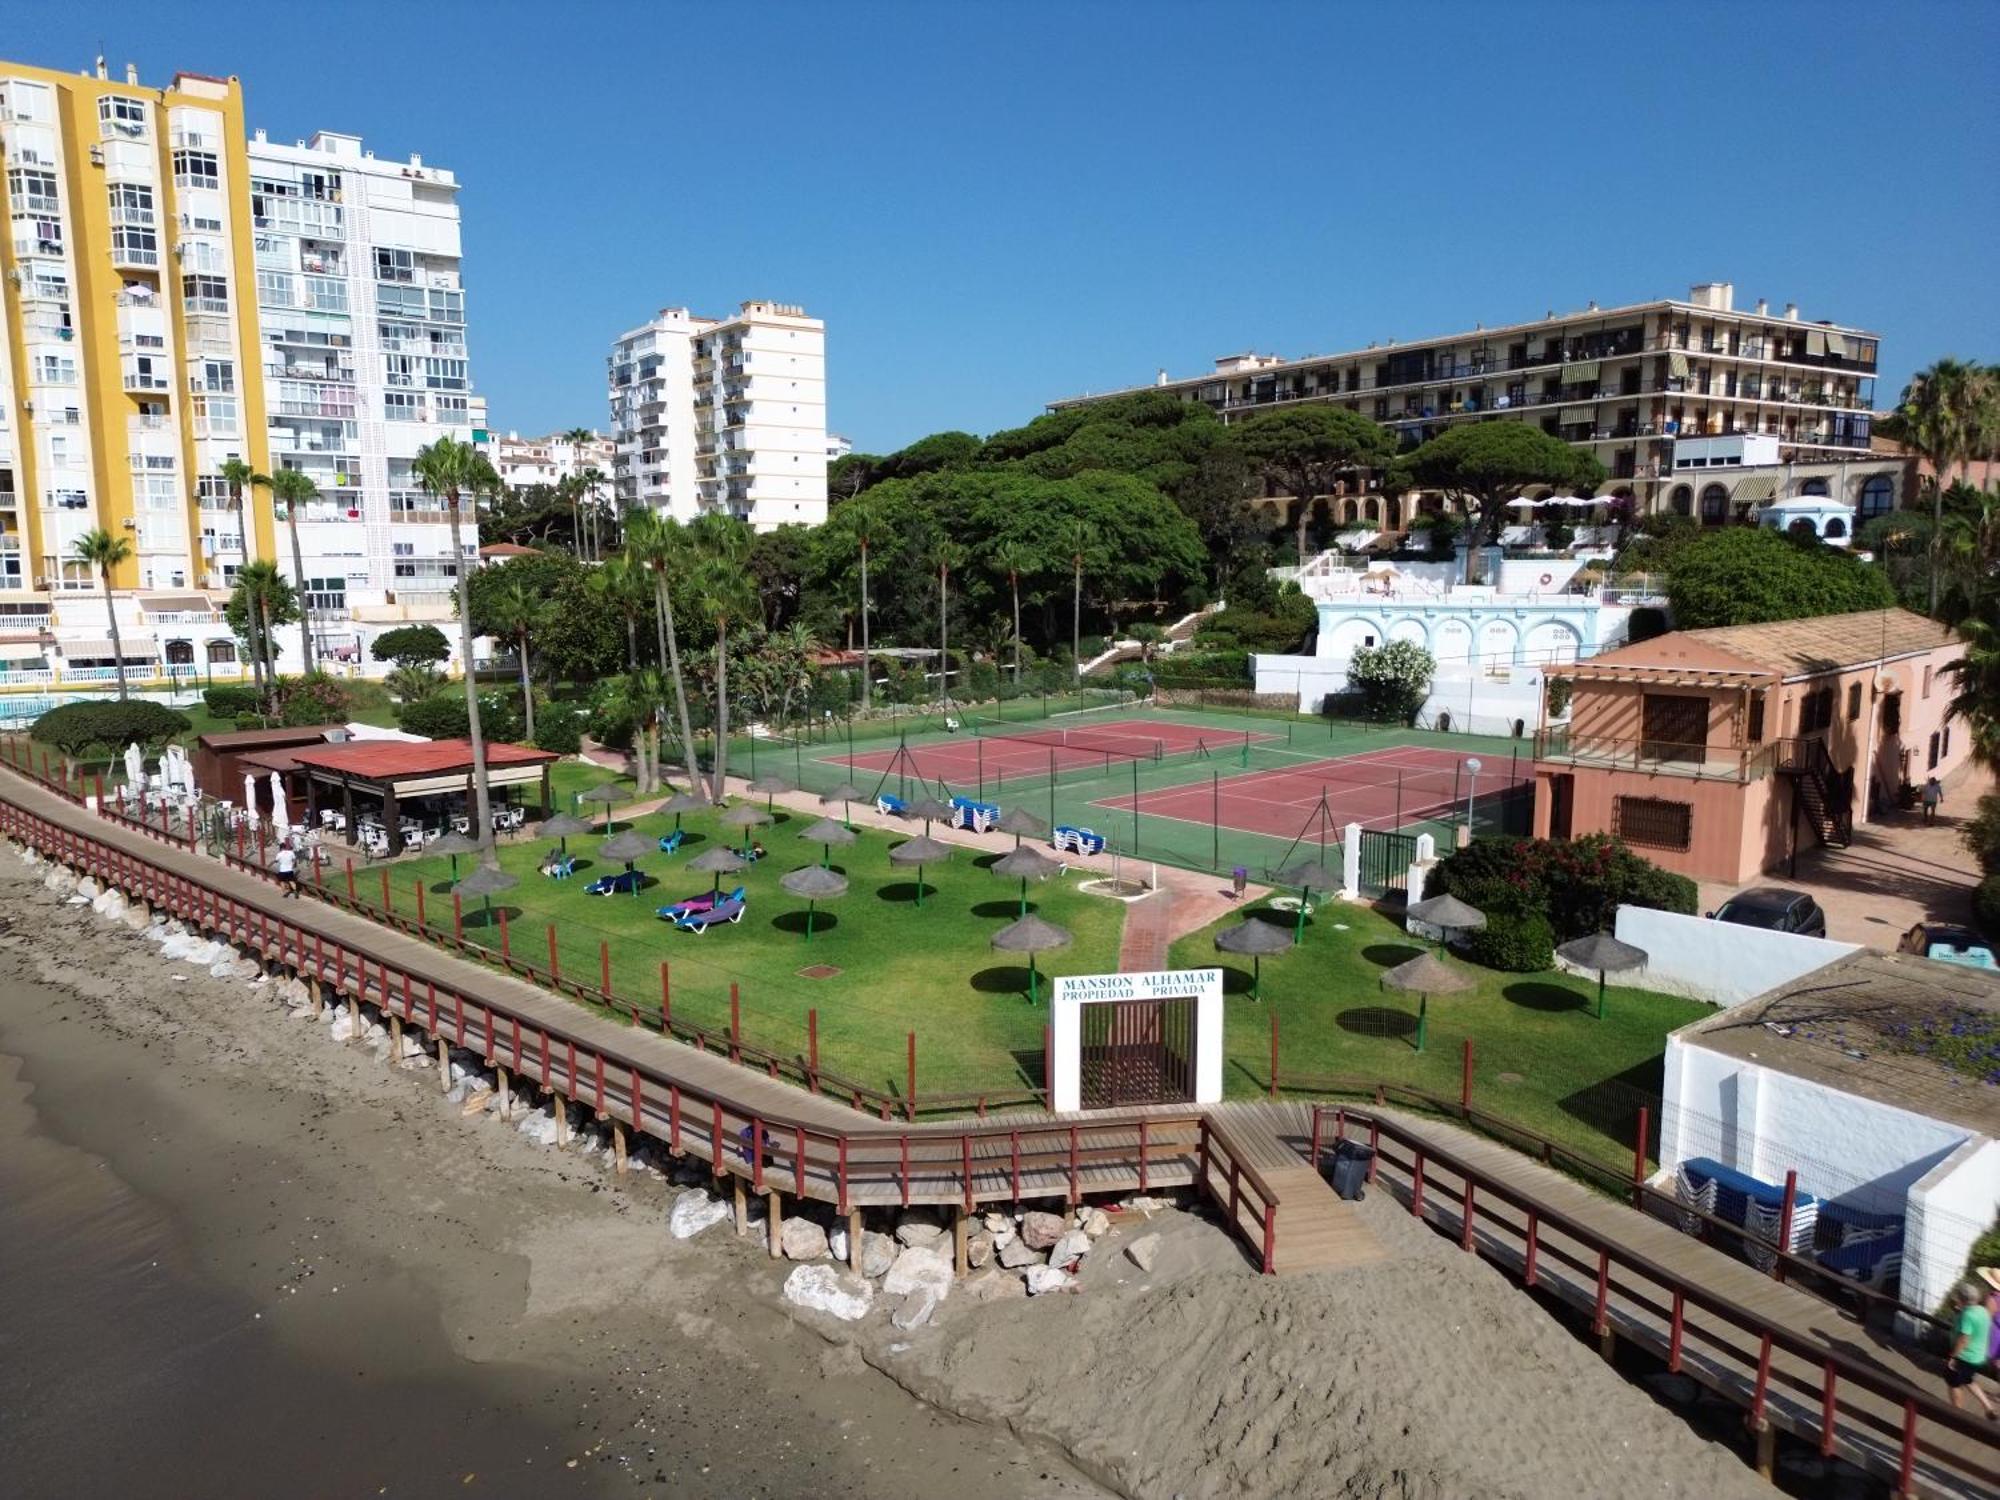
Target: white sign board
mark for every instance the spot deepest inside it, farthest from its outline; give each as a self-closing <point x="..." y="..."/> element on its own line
<point x="1073" y="992"/>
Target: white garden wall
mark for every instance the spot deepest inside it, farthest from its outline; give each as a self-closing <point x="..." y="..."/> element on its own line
<point x="1950" y="1207"/>
<point x="1719" y="962"/>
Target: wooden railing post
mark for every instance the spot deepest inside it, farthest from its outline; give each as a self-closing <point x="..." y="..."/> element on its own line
<point x="1785" y="1224"/>
<point x="1639" y="1158"/>
<point x="1274" y="1052"/>
<point x="812" y="1048"/>
<point x="735" y="1024"/>
<point x="910" y="1068"/>
<point x="604" y="967"/>
<point x="1465" y="1080"/>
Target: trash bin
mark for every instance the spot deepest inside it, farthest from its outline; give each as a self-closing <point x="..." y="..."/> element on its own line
<point x="1351" y="1161"/>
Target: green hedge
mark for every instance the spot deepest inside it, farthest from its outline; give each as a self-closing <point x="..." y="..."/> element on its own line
<point x="1518" y="942"/>
<point x="1577" y="884"/>
<point x="78" y="728"/>
<point x="231" y="700"/>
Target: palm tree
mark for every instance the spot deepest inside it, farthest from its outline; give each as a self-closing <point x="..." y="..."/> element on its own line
<point x="517" y="612"/>
<point x="655" y="542"/>
<point x="295" y="488"/>
<point x="864" y="518"/>
<point x="640" y="694"/>
<point x="622" y="584"/>
<point x="1947" y="418"/>
<point x="1013" y="558"/>
<point x="792" y="650"/>
<point x="454" y="472"/>
<point x="727" y="593"/>
<point x="239" y="476"/>
<point x="576" y="437"/>
<point x="592" y="481"/>
<point x="103" y="551"/>
<point x="945" y="555"/>
<point x="1080" y="540"/>
<point x="266" y="598"/>
<point x="1977" y="700"/>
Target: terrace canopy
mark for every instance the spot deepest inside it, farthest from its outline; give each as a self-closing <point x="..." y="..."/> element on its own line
<point x="401" y="774"/>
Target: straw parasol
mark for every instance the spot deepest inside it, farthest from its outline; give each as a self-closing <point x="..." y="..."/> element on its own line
<point x="628" y="848"/>
<point x="1448" y="913"/>
<point x="746" y="816"/>
<point x="920" y="851"/>
<point x="931" y="811"/>
<point x="1604" y="953"/>
<point x="770" y="784"/>
<point x="453" y="844"/>
<point x="486" y="882"/>
<point x="1424" y="976"/>
<point x="845" y="793"/>
<point x="1031" y="935"/>
<point x="608" y="794"/>
<point x="816" y="883"/>
<point x="1019" y="821"/>
<point x="826" y="833"/>
<point x="1257" y="939"/>
<point x="1308" y="875"/>
<point x="719" y="861"/>
<point x="681" y="802"/>
<point x="1025" y="865"/>
<point x="562" y="825"/>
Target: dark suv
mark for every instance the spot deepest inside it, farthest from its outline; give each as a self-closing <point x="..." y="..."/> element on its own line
<point x="1775" y="909"/>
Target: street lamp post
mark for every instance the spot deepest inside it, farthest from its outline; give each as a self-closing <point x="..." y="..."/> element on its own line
<point x="1472" y="769"/>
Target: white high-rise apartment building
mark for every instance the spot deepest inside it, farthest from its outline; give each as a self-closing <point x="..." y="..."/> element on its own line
<point x="723" y="414"/>
<point x="362" y="312"/>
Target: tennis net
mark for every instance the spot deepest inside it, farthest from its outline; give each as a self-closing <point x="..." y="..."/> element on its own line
<point x="1112" y="742"/>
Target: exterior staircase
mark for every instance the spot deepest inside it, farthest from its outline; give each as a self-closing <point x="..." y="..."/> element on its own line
<point x="1813" y="776"/>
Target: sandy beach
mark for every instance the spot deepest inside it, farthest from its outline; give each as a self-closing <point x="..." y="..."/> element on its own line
<point x="276" y="1264"/>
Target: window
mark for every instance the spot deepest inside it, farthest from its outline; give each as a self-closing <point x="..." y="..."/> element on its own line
<point x="1682" y="500"/>
<point x="1714" y="505"/>
<point x="131" y="246"/>
<point x="1931" y="760"/>
<point x="196" y="169"/>
<point x="444" y="374"/>
<point x="1815" y="487"/>
<point x="447" y="307"/>
<point x="1816" y="710"/>
<point x="218" y="375"/>
<point x="1674" y="726"/>
<point x="131" y="203"/>
<point x="31" y="191"/>
<point x="119" y="115"/>
<point x="395" y="265"/>
<point x="276" y="289"/>
<point x="1878" y="496"/>
<point x="326" y="294"/>
<point x="1927" y="681"/>
<point x="205" y="293"/>
<point x="1754" y="732"/>
<point x="326" y="593"/>
<point x="1853" y="701"/>
<point x="402" y="406"/>
<point x="221" y="653"/>
<point x="1653" y="822"/>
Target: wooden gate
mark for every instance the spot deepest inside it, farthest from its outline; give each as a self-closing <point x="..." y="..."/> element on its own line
<point x="1385" y="861"/>
<point x="1137" y="1052"/>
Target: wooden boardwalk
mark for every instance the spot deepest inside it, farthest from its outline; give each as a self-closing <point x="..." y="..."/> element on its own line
<point x="1797" y="1363"/>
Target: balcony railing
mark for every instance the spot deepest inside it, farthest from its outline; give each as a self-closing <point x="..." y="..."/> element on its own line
<point x="1566" y="746"/>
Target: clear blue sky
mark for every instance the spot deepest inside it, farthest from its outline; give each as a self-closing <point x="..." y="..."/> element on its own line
<point x="993" y="205"/>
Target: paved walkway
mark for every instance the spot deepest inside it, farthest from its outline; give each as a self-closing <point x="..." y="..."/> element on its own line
<point x="1899" y="871"/>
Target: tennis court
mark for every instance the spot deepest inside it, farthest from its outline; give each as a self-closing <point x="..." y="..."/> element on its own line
<point x="1385" y="788"/>
<point x="990" y="758"/>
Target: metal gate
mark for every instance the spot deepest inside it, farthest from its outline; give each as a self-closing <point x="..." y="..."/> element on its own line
<point x="1385" y="861"/>
<point x="1137" y="1052"/>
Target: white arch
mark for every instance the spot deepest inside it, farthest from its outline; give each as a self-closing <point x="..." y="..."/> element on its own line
<point x="1551" y="641"/>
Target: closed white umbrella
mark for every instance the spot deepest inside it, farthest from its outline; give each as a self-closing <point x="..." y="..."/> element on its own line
<point x="281" y="823"/>
<point x="135" y="767"/>
<point x="185" y="767"/>
<point x="250" y="795"/>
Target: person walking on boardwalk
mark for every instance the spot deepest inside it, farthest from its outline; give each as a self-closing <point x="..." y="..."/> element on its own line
<point x="1971" y="1344"/>
<point x="1933" y="794"/>
<point x="286" y="865"/>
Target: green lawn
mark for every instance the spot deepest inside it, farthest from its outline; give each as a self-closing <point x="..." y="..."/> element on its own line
<point x="1540" y="1057"/>
<point x="902" y="968"/>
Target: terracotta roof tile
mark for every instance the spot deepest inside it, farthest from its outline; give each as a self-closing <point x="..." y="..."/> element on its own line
<point x="396" y="760"/>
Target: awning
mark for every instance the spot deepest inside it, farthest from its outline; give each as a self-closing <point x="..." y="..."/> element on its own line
<point x="20" y="651"/>
<point x="1677" y="364"/>
<point x="1580" y="372"/>
<point x="1836" y="344"/>
<point x="176" y="603"/>
<point x="132" y="648"/>
<point x="1756" y="489"/>
<point x="1815" y="341"/>
<point x="1573" y="416"/>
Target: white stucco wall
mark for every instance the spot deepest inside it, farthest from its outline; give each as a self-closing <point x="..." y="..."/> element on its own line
<point x="1475" y="700"/>
<point x="1719" y="962"/>
<point x="1950" y="1207"/>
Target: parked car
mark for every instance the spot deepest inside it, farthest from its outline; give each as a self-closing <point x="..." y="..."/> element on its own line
<point x="1775" y="909"/>
<point x="1949" y="943"/>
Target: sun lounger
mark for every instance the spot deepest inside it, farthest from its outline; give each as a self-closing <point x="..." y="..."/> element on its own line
<point x="888" y="803"/>
<point x="1070" y="840"/>
<point x="723" y="911"/>
<point x="700" y="902"/>
<point x="559" y="866"/>
<point x="624" y="883"/>
<point x="670" y="843"/>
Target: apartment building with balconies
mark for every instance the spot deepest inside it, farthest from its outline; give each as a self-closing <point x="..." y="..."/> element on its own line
<point x="178" y="293"/>
<point x="524" y="463"/>
<point x="1692" y="405"/>
<point x="724" y="415"/>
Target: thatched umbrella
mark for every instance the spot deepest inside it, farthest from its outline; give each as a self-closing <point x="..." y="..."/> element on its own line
<point x="609" y="793"/>
<point x="1018" y="821"/>
<point x="1031" y="935"/>
<point x="486" y="882"/>
<point x="562" y="825"/>
<point x="931" y="811"/>
<point x="845" y="793"/>
<point x="816" y="883"/>
<point x="826" y="833"/>
<point x="1604" y="953"/>
<point x="628" y="848"/>
<point x="746" y="816"/>
<point x="770" y="785"/>
<point x="1026" y="865"/>
<point x="719" y="861"/>
<point x="920" y="851"/>
<point x="1257" y="939"/>
<point x="682" y="802"/>
<point x="1448" y="914"/>
<point x="1308" y="875"/>
<point x="1425" y="975"/>
<point x="453" y="843"/>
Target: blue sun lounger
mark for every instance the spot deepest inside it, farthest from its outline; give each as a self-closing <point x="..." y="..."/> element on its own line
<point x="1069" y="840"/>
<point x="703" y="902"/>
<point x="889" y="803"/>
<point x="723" y="911"/>
<point x="559" y="866"/>
<point x="670" y="843"/>
<point x="624" y="883"/>
<point x="978" y="816"/>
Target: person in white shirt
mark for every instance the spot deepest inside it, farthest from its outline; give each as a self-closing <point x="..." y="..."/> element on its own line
<point x="287" y="866"/>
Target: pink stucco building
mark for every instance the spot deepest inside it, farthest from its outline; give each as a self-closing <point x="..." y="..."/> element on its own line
<point x="1718" y="752"/>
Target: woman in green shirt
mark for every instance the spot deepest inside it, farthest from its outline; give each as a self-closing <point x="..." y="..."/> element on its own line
<point x="1969" y="1347"/>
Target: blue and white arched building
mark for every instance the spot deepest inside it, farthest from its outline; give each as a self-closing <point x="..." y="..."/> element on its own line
<point x="1490" y="641"/>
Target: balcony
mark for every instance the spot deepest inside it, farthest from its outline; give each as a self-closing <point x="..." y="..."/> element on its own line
<point x="1563" y="746"/>
<point x="143" y="382"/>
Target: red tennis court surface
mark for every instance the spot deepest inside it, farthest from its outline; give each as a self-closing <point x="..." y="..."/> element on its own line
<point x="1378" y="789"/>
<point x="971" y="758"/>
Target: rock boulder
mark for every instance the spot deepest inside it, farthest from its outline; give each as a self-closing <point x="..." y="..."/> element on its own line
<point x="802" y="1239"/>
<point x="919" y="1268"/>
<point x="693" y="1211"/>
<point x="1040" y="1231"/>
<point x="839" y="1294"/>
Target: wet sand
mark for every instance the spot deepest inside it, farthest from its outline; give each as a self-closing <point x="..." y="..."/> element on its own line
<point x="241" y="1261"/>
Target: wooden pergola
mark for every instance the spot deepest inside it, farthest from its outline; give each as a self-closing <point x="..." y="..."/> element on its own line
<point x="397" y="772"/>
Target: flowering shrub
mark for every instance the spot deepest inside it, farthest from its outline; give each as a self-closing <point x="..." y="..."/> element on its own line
<point x="1966" y="1041"/>
<point x="1576" y="884"/>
